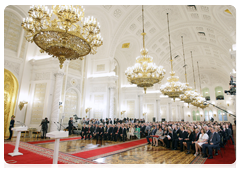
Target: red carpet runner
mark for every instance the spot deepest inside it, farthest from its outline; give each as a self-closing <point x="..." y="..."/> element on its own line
<point x="229" y="157"/>
<point x="109" y="150"/>
<point x="49" y="141"/>
<point x="33" y="154"/>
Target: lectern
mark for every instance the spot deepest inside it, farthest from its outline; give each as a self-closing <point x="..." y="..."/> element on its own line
<point x="57" y="135"/>
<point x="18" y="130"/>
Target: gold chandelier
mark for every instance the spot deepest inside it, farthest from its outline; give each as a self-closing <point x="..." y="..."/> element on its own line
<point x="144" y="73"/>
<point x="186" y="97"/>
<point x="197" y="99"/>
<point x="66" y="36"/>
<point x="201" y="105"/>
<point x="173" y="88"/>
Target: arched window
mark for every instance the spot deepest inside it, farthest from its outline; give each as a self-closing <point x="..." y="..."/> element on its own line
<point x="194" y="116"/>
<point x="219" y="93"/>
<point x="198" y="115"/>
<point x="222" y="116"/>
<point x="206" y="93"/>
<point x="208" y="115"/>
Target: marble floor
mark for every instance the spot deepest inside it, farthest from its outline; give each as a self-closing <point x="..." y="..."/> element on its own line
<point x="146" y="154"/>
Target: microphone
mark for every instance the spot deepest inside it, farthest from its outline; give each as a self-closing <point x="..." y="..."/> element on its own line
<point x="22" y="124"/>
<point x="61" y="125"/>
<point x="57" y="126"/>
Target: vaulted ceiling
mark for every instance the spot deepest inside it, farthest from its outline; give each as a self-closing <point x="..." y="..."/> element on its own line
<point x="209" y="31"/>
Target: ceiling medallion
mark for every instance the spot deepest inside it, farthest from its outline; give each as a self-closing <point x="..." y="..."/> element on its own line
<point x="66" y="36"/>
<point x="144" y="73"/>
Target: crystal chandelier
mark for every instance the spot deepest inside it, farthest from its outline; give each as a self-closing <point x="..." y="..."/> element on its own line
<point x="186" y="97"/>
<point x="173" y="88"/>
<point x="144" y="73"/>
<point x="67" y="35"/>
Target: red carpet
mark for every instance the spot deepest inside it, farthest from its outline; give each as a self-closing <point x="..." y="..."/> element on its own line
<point x="27" y="157"/>
<point x="53" y="140"/>
<point x="33" y="154"/>
<point x="229" y="156"/>
<point x="104" y="151"/>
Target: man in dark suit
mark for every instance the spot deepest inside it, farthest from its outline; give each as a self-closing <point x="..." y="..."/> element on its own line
<point x="70" y="125"/>
<point x="152" y="133"/>
<point x="117" y="132"/>
<point x="236" y="123"/>
<point x="89" y="131"/>
<point x="124" y="132"/>
<point x="142" y="130"/>
<point x="168" y="138"/>
<point x="84" y="132"/>
<point x="111" y="132"/>
<point x="95" y="126"/>
<point x="106" y="129"/>
<point x="110" y="120"/>
<point x="209" y="130"/>
<point x="175" y="134"/>
<point x="99" y="134"/>
<point x="213" y="142"/>
<point x="12" y="121"/>
<point x="182" y="135"/>
<point x="229" y="133"/>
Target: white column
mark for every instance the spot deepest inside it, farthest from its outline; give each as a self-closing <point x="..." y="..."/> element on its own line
<point x="140" y="106"/>
<point x="111" y="102"/>
<point x="56" y="98"/>
<point x="169" y="112"/>
<point x="177" y="113"/>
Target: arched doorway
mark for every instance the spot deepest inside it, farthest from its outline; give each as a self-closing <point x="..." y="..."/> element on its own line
<point x="10" y="96"/>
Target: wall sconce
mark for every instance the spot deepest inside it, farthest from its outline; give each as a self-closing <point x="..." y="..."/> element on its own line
<point x="201" y="115"/>
<point x="122" y="112"/>
<point x="88" y="110"/>
<point x="228" y="104"/>
<point x="21" y="104"/>
<point x="188" y="115"/>
<point x="60" y="105"/>
<point x="144" y="114"/>
<point x="214" y="115"/>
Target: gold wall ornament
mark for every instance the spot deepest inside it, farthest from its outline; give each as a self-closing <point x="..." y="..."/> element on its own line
<point x="122" y="112"/>
<point x="21" y="104"/>
<point x="145" y="73"/>
<point x="68" y="36"/>
<point x="10" y="96"/>
<point x="144" y="114"/>
<point x="87" y="110"/>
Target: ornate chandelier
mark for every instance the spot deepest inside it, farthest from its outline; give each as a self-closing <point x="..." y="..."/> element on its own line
<point x="66" y="36"/>
<point x="144" y="73"/>
<point x="173" y="88"/>
<point x="186" y="97"/>
<point x="201" y="105"/>
<point x="196" y="98"/>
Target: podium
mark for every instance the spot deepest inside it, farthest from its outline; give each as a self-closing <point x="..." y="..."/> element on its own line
<point x="57" y="135"/>
<point x="18" y="130"/>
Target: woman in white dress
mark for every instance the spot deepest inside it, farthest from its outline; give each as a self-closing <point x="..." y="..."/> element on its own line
<point x="203" y="138"/>
<point x="131" y="131"/>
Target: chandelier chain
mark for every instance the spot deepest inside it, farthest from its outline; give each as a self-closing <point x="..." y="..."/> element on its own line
<point x="184" y="60"/>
